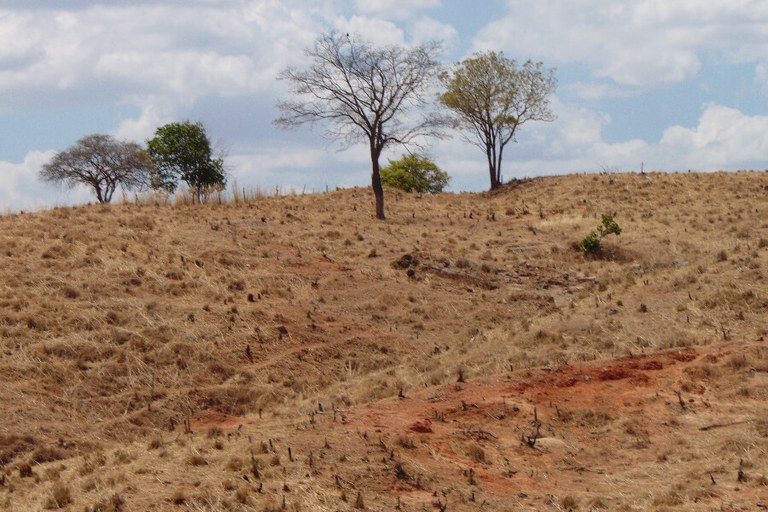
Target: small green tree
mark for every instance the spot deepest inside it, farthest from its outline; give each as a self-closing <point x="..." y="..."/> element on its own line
<point x="182" y="151"/>
<point x="591" y="244"/>
<point x="415" y="173"/>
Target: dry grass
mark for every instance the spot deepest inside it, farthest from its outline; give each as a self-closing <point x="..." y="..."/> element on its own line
<point x="152" y="353"/>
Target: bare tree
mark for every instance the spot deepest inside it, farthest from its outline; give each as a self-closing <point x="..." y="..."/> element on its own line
<point x="364" y="93"/>
<point x="101" y="162"/>
<point x="492" y="97"/>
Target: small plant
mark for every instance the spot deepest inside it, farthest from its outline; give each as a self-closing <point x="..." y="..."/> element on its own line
<point x="197" y="459"/>
<point x="592" y="243"/>
<point x="60" y="497"/>
<point x="178" y="497"/>
<point x="114" y="503"/>
<point x="25" y="470"/>
<point x="155" y="443"/>
<point x="122" y="457"/>
<point x="477" y="454"/>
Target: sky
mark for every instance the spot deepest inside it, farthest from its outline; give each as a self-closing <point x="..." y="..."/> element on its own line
<point x="659" y="85"/>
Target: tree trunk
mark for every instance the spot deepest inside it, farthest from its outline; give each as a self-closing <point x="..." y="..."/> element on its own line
<point x="493" y="171"/>
<point x="99" y="195"/>
<point x="378" y="190"/>
<point x="499" y="180"/>
<point x="490" y="151"/>
<point x="109" y="190"/>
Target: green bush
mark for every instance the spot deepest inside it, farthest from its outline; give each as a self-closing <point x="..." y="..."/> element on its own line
<point x="414" y="173"/>
<point x="592" y="243"/>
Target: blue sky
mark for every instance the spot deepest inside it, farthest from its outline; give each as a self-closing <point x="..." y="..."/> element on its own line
<point x="665" y="84"/>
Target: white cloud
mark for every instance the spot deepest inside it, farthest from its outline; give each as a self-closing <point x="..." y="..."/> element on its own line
<point x="144" y="126"/>
<point x="17" y="48"/>
<point x="579" y="130"/>
<point x="592" y="91"/>
<point x="395" y="9"/>
<point x="635" y="42"/>
<point x="376" y="30"/>
<point x="22" y="191"/>
<point x="428" y="29"/>
<point x="275" y="162"/>
<point x="761" y="75"/>
<point x="189" y="50"/>
<point x="725" y="138"/>
<point x="299" y="167"/>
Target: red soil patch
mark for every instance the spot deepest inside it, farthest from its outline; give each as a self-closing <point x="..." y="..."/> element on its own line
<point x="479" y="431"/>
<point x="614" y="374"/>
<point x="424" y="427"/>
<point x="212" y="419"/>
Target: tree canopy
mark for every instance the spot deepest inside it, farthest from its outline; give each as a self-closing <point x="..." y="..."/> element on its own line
<point x="363" y="92"/>
<point x="491" y="97"/>
<point x="415" y="173"/>
<point x="182" y="152"/>
<point x="101" y="162"/>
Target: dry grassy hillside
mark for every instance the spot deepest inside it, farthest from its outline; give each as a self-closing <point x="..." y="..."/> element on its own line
<point x="292" y="353"/>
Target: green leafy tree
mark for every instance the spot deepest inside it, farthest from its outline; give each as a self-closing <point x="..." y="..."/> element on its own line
<point x="415" y="173"/>
<point x="182" y="152"/>
<point x="491" y="97"/>
<point x="101" y="162"/>
<point x="363" y="92"/>
<point x="592" y="243"/>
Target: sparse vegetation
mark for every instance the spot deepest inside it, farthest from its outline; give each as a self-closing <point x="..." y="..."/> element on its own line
<point x="60" y="497"/>
<point x="252" y="353"/>
<point x="592" y="243"/>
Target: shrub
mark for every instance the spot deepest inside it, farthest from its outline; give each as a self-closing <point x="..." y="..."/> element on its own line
<point x="592" y="243"/>
<point x="414" y="173"/>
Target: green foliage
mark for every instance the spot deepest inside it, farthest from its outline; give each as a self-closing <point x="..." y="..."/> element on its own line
<point x="415" y="173"/>
<point x="592" y="243"/>
<point x="491" y="97"/>
<point x="182" y="151"/>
